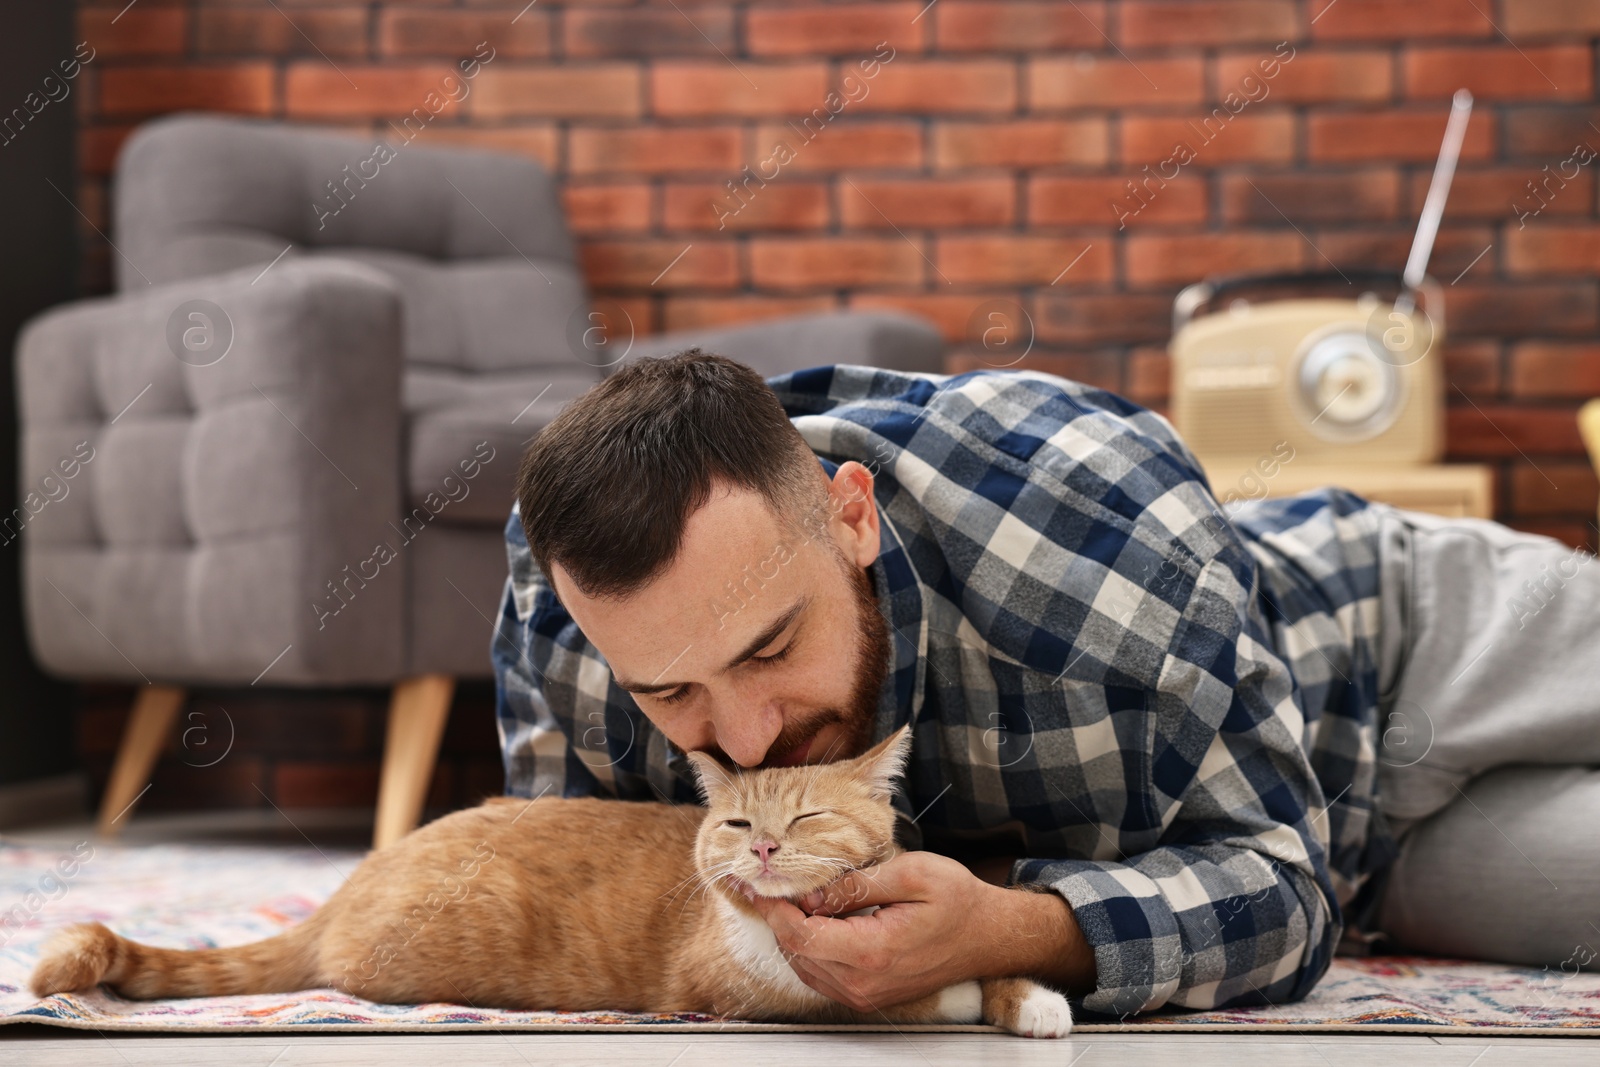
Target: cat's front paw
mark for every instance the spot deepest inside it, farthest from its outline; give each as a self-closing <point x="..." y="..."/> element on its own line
<point x="1043" y="1013"/>
<point x="1026" y="1008"/>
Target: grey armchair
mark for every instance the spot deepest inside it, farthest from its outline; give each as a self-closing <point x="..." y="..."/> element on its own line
<point x="284" y="452"/>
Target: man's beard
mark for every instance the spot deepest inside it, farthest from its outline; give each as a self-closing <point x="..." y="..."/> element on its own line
<point x="859" y="715"/>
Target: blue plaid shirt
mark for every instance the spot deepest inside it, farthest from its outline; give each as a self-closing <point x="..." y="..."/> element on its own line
<point x="1167" y="708"/>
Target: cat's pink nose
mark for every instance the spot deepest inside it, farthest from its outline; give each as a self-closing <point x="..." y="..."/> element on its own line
<point x="764" y="849"/>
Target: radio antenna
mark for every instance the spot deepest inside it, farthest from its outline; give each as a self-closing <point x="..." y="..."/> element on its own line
<point x="1444" y="171"/>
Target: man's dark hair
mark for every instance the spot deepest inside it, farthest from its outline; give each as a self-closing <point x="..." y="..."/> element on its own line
<point x="608" y="486"/>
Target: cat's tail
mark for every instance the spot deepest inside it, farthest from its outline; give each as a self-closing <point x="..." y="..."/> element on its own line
<point x="84" y="955"/>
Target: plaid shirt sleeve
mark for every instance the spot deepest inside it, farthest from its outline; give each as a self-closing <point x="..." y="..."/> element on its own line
<point x="1234" y="906"/>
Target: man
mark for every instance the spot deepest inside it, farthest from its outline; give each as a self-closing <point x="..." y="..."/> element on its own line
<point x="1207" y="743"/>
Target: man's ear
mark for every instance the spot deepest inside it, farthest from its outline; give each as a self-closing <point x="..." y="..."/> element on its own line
<point x="713" y="779"/>
<point x="884" y="762"/>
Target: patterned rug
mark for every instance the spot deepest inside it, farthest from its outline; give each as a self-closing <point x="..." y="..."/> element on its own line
<point x="192" y="897"/>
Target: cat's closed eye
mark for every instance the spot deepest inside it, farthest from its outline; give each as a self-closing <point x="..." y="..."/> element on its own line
<point x="808" y="815"/>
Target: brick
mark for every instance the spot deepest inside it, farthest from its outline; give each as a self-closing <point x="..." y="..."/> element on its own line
<point x="693" y="88"/>
<point x="840" y="144"/>
<point x="1098" y="200"/>
<point x="943" y="86"/>
<point x="280" y="723"/>
<point x="1025" y="259"/>
<point x="706" y="312"/>
<point x="835" y="29"/>
<point x="1366" y="195"/>
<point x="610" y="90"/>
<point x="778" y="205"/>
<point x="1213" y="138"/>
<point x="1513" y="193"/>
<point x="1397" y="20"/>
<point x="1550" y="18"/>
<point x="152" y="31"/>
<point x="316" y="90"/>
<point x="176" y="786"/>
<point x="325" y="784"/>
<point x="1567" y="248"/>
<point x="835" y="262"/>
<point x="1501" y="431"/>
<point x="1550" y="134"/>
<point x="98" y="148"/>
<point x="1553" y="72"/>
<point x="91" y="201"/>
<point x="1356" y="76"/>
<point x="641" y="32"/>
<point x="239" y="87"/>
<point x="338" y="33"/>
<point x="540" y="143"/>
<point x="1024" y="143"/>
<point x="1505" y="309"/>
<point x="1102" y="370"/>
<point x="1456" y="249"/>
<point x="1542" y="369"/>
<point x="463" y="34"/>
<point x="1101" y="318"/>
<point x="632" y="315"/>
<point x="1016" y="26"/>
<point x="646" y="264"/>
<point x="952" y="313"/>
<point x="1554" y="489"/>
<point x="1101" y="81"/>
<point x="930" y="203"/>
<point x="654" y="150"/>
<point x="1473" y="367"/>
<point x="1183" y="258"/>
<point x="623" y="207"/>
<point x="1195" y="23"/>
<point x="1149" y="376"/>
<point x="1394" y="136"/>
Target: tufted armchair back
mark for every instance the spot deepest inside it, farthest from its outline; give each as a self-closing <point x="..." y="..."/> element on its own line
<point x="480" y="253"/>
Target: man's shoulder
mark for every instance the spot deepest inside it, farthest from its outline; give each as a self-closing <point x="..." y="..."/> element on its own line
<point x="1001" y="434"/>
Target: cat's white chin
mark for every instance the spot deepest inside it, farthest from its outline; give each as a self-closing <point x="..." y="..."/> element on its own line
<point x="768" y="885"/>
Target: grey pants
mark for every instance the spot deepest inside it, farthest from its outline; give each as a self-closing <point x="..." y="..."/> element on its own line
<point x="1489" y="756"/>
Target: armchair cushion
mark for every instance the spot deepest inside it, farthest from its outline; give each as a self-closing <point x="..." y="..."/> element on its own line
<point x="475" y="241"/>
<point x="450" y="417"/>
<point x="884" y="339"/>
<point x="219" y="500"/>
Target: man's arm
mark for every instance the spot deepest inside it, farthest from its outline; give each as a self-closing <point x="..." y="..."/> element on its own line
<point x="1232" y="906"/>
<point x="937" y="924"/>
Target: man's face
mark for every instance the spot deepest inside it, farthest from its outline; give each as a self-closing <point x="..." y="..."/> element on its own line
<point x="756" y="645"/>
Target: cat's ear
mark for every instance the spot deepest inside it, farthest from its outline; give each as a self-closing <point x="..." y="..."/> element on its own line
<point x="884" y="762"/>
<point x="712" y="778"/>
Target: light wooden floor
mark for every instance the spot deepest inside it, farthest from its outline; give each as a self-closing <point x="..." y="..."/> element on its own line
<point x="23" y="1046"/>
<point x="46" y="1049"/>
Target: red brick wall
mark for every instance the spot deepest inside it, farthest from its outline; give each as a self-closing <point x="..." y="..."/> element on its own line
<point x="981" y="161"/>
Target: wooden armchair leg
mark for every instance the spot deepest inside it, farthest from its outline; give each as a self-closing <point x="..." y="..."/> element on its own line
<point x="154" y="710"/>
<point x="417" y="713"/>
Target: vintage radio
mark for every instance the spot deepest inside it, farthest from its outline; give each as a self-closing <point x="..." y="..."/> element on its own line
<point x="1347" y="380"/>
<point x="1352" y="379"/>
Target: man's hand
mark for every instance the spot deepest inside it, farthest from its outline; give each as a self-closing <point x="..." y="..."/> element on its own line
<point x="937" y="924"/>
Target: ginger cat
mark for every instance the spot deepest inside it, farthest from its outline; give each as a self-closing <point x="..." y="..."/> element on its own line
<point x="582" y="904"/>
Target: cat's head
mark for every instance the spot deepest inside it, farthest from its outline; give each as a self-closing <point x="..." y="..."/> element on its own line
<point x="785" y="831"/>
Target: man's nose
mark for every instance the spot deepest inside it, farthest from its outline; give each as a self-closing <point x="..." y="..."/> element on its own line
<point x="746" y="735"/>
